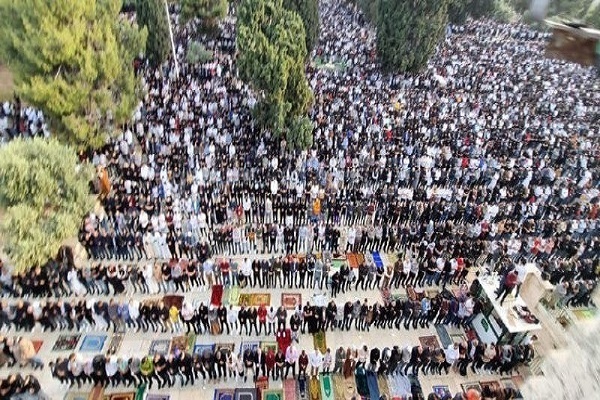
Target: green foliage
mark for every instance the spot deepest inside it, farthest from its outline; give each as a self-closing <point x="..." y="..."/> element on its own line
<point x="153" y="15"/>
<point x="503" y="12"/>
<point x="308" y="10"/>
<point x="68" y="59"/>
<point x="272" y="60"/>
<point x="458" y="11"/>
<point x="482" y="8"/>
<point x="197" y="54"/>
<point x="593" y="16"/>
<point x="369" y="9"/>
<point x="300" y="133"/>
<point x="208" y="11"/>
<point x="408" y="32"/>
<point x="44" y="193"/>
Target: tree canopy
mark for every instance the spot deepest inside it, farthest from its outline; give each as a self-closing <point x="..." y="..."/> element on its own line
<point x="72" y="59"/>
<point x="272" y="60"/>
<point x="408" y="32"/>
<point x="308" y="10"/>
<point x="152" y="15"/>
<point x="208" y="11"/>
<point x="44" y="193"/>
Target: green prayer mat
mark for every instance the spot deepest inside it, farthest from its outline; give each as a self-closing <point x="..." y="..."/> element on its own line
<point x="272" y="394"/>
<point x="320" y="342"/>
<point x="327" y="388"/>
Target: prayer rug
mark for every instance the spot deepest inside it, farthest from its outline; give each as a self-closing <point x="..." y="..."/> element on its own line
<point x="201" y="348"/>
<point x="289" y="301"/>
<point x="183" y="343"/>
<point x="429" y="341"/>
<point x="314" y="389"/>
<point x="344" y="389"/>
<point x="76" y="396"/>
<point x="160" y="346"/>
<point x="360" y="258"/>
<point x="158" y="397"/>
<point x="470" y="385"/>
<point x="37" y="345"/>
<point x="272" y="394"/>
<point x="441" y="391"/>
<point x="337" y="264"/>
<point x="97" y="393"/>
<point x="224" y="394"/>
<point x="173" y="300"/>
<point x="373" y="385"/>
<point x="234" y="296"/>
<point x="217" y="295"/>
<point x="444" y="336"/>
<point x="458" y="338"/>
<point x="225" y="347"/>
<point x="93" y="343"/>
<point x="302" y="387"/>
<point x="399" y="385"/>
<point x="492" y="385"/>
<point x="320" y="341"/>
<point x="66" y="342"/>
<point x="360" y="375"/>
<point x="115" y="344"/>
<point x="377" y="259"/>
<point x="384" y="388"/>
<point x="586" y="314"/>
<point x="245" y="394"/>
<point x="252" y="345"/>
<point x="266" y="345"/>
<point x="123" y="396"/>
<point x="353" y="260"/>
<point x="254" y="299"/>
<point x="226" y="291"/>
<point x="141" y="394"/>
<point x="327" y="388"/>
<point x="289" y="389"/>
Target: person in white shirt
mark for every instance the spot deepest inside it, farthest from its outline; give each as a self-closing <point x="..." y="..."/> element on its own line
<point x="232" y="319"/>
<point x="291" y="357"/>
<point x="315" y="359"/>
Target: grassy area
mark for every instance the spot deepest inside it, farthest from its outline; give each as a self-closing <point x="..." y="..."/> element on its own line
<point x="7" y="85"/>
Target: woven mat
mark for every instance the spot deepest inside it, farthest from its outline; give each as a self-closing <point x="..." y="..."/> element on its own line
<point x="429" y="341"/>
<point x="320" y="341"/>
<point x="314" y="389"/>
<point x="272" y="394"/>
<point x="289" y="389"/>
<point x="216" y="296"/>
<point x="327" y="392"/>
<point x="254" y="299"/>
<point x="384" y="388"/>
<point x="223" y="394"/>
<point x="344" y="389"/>
<point x="115" y="344"/>
<point x="289" y="301"/>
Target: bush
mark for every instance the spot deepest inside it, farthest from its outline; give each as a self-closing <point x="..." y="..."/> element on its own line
<point x="503" y="12"/>
<point x="197" y="54"/>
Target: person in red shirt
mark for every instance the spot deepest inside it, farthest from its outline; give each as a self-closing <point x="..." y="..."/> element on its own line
<point x="262" y="319"/>
<point x="270" y="363"/>
<point x="302" y="363"/>
<point x="224" y="266"/>
<point x="507" y="285"/>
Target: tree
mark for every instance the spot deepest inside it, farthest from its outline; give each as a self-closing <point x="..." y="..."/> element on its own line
<point x="45" y="194"/>
<point x="197" y="53"/>
<point x="408" y="32"/>
<point x="152" y="15"/>
<point x="308" y="10"/>
<point x="458" y="11"/>
<point x="272" y="60"/>
<point x="208" y="11"/>
<point x="69" y="59"/>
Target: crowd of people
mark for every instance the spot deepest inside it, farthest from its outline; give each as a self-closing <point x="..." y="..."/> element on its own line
<point x="489" y="156"/>
<point x="221" y="365"/>
<point x="480" y="155"/>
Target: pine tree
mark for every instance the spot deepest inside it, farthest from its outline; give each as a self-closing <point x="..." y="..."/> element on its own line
<point x="69" y="59"/>
<point x="153" y="15"/>
<point x="272" y="60"/>
<point x="44" y="193"/>
<point x="408" y="32"/>
<point x="308" y="10"/>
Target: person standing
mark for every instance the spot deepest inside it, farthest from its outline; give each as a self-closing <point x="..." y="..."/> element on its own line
<point x="291" y="357"/>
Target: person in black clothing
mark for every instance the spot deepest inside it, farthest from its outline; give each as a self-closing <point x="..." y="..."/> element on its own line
<point x="222" y="314"/>
<point x="415" y="360"/>
<point x="253" y="319"/>
<point x="203" y="318"/>
<point x="243" y="319"/>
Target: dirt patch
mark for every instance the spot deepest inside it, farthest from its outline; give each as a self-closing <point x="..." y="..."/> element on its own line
<point x="7" y="85"/>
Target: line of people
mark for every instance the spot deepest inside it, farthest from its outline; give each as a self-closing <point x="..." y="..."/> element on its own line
<point x="222" y="365"/>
